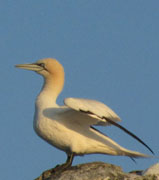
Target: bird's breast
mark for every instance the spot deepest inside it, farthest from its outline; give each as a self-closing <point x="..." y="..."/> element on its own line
<point x="48" y="127"/>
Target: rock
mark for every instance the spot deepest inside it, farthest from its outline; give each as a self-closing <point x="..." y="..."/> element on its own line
<point x="95" y="171"/>
<point x="152" y="170"/>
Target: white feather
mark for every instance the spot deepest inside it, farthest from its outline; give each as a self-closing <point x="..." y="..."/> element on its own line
<point x="98" y="109"/>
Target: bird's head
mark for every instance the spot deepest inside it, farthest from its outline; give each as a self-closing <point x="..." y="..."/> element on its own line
<point x="46" y="67"/>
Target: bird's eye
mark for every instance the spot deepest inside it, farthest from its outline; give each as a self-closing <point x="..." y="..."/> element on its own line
<point x="42" y="65"/>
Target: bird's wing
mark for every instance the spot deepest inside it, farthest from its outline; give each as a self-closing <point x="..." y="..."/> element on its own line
<point x="93" y="108"/>
<point x="99" y="113"/>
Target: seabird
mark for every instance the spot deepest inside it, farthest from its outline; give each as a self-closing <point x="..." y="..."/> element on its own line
<point x="70" y="127"/>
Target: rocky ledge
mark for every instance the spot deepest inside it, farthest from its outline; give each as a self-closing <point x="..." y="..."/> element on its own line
<point x="101" y="171"/>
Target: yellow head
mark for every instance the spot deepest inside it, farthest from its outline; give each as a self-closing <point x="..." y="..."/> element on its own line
<point x="46" y="67"/>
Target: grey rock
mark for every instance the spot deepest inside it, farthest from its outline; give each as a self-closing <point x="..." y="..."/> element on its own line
<point x="95" y="171"/>
<point x="154" y="169"/>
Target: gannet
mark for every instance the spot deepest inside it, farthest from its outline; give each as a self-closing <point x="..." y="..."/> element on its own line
<point x="70" y="127"/>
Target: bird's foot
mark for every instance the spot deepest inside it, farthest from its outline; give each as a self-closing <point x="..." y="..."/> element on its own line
<point x="57" y="170"/>
<point x="60" y="168"/>
<point x="54" y="171"/>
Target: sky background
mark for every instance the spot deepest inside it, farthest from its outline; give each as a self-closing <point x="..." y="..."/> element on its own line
<point x="109" y="50"/>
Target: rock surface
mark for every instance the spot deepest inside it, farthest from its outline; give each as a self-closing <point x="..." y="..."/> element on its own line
<point x="96" y="171"/>
<point x="152" y="170"/>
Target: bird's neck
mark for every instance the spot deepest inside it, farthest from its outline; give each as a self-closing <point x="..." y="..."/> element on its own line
<point x="50" y="90"/>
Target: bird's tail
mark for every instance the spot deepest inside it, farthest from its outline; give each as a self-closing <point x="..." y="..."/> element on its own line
<point x="110" y="147"/>
<point x="132" y="154"/>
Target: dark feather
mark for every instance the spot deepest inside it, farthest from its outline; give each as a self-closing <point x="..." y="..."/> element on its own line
<point x="128" y="132"/>
<point x="121" y="127"/>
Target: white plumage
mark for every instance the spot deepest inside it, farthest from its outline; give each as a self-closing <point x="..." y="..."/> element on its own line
<point x="70" y="127"/>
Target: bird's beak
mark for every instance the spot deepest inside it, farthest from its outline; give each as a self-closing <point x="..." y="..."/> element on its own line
<point x="32" y="67"/>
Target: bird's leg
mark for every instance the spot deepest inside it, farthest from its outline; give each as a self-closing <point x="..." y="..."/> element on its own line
<point x="59" y="168"/>
<point x="66" y="165"/>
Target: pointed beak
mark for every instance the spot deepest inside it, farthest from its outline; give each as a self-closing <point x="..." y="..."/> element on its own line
<point x="32" y="67"/>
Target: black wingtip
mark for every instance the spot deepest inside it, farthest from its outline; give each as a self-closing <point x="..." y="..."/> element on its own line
<point x="130" y="133"/>
<point x="133" y="160"/>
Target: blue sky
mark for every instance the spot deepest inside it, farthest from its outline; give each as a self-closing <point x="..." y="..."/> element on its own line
<point x="110" y="53"/>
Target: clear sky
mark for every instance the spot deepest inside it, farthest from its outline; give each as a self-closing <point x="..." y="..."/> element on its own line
<point x="110" y="53"/>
